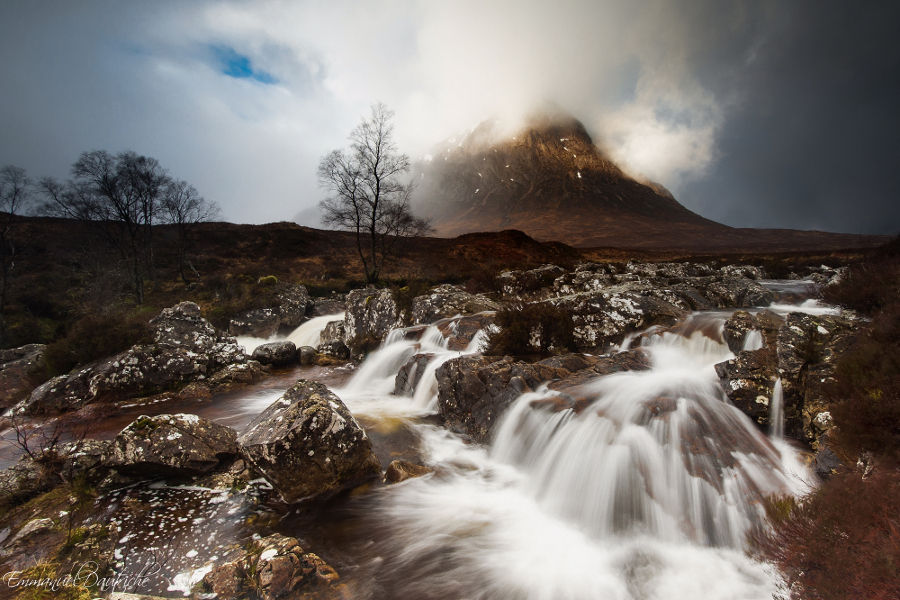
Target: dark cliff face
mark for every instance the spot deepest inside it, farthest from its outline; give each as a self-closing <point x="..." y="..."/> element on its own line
<point x="548" y="180"/>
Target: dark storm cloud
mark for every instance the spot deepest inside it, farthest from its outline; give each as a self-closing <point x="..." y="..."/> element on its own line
<point x="754" y="113"/>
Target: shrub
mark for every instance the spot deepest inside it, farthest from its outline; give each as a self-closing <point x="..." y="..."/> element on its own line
<point x="866" y="287"/>
<point x="529" y="327"/>
<point x="94" y="337"/>
<point x="843" y="541"/>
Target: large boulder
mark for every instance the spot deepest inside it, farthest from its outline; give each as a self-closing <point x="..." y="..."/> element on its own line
<point x="536" y="284"/>
<point x="274" y="567"/>
<point x="604" y="318"/>
<point x="308" y="443"/>
<point x="446" y="301"/>
<point x="370" y="314"/>
<point x="178" y="445"/>
<point x="20" y="369"/>
<point x="410" y="374"/>
<point x="808" y="349"/>
<point x="50" y="467"/>
<point x="290" y="303"/>
<point x="187" y="348"/>
<point x="276" y="353"/>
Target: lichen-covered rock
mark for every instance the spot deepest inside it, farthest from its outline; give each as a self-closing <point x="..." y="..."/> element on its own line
<point x="410" y="374"/>
<point x="536" y="284"/>
<point x="732" y="292"/>
<point x="401" y="470"/>
<point x="276" y="353"/>
<point x="808" y="348"/>
<point x="51" y="467"/>
<point x="19" y="367"/>
<point x="236" y="374"/>
<point x="308" y="443"/>
<point x="178" y="445"/>
<point x="332" y="304"/>
<point x="474" y="391"/>
<point x="370" y="313"/>
<point x="337" y="350"/>
<point x="187" y="348"/>
<point x="749" y="381"/>
<point x="333" y="332"/>
<point x="736" y="329"/>
<point x="271" y="568"/>
<point x="446" y="301"/>
<point x="26" y="479"/>
<point x="744" y="271"/>
<point x="290" y="304"/>
<point x="604" y="318"/>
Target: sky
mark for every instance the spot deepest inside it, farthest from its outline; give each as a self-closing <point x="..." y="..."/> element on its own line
<point x="753" y="113"/>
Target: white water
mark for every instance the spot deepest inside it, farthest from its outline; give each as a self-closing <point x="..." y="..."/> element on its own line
<point x="647" y="493"/>
<point x="309" y="333"/>
<point x="776" y="412"/>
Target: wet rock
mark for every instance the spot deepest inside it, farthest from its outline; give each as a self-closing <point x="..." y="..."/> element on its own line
<point x="571" y="389"/>
<point x="19" y="370"/>
<point x="274" y="567"/>
<point x="187" y="348"/>
<point x="308" y="443"/>
<point x="770" y="323"/>
<point x="410" y="374"/>
<point x="587" y="277"/>
<point x="461" y="332"/>
<point x="401" y="470"/>
<point x="26" y="479"/>
<point x="447" y="301"/>
<point x="178" y="445"/>
<point x="84" y="459"/>
<point x="744" y="271"/>
<point x="307" y="355"/>
<point x="276" y="353"/>
<point x="749" y="380"/>
<point x="732" y="292"/>
<point x="236" y="375"/>
<point x="290" y="303"/>
<point x="808" y="348"/>
<point x="474" y="391"/>
<point x="736" y="329"/>
<point x="604" y="318"/>
<point x="338" y="350"/>
<point x="370" y="315"/>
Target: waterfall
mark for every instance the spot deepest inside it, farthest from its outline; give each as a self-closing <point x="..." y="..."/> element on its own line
<point x="776" y="412"/>
<point x="648" y="492"/>
<point x="309" y="333"/>
<point x="754" y="340"/>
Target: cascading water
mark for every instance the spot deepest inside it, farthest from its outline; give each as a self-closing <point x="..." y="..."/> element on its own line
<point x="309" y="333"/>
<point x="648" y="492"/>
<point x="776" y="412"/>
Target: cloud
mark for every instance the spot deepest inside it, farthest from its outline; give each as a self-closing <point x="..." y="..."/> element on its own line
<point x="242" y="98"/>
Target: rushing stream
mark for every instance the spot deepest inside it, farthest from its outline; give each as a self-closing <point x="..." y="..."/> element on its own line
<point x="647" y="490"/>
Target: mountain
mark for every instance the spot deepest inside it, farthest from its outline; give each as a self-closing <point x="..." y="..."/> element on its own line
<point x="551" y="181"/>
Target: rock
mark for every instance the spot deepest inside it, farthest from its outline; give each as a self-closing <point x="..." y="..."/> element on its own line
<point x="187" y="348"/>
<point x="447" y="301"/>
<point x="259" y="323"/>
<point x="749" y="380"/>
<point x="808" y="348"/>
<point x="30" y="477"/>
<point x="308" y="443"/>
<point x="237" y="374"/>
<point x="31" y="529"/>
<point x="461" y="331"/>
<point x="290" y="303"/>
<point x="401" y="470"/>
<point x="371" y="313"/>
<point x="276" y="353"/>
<point x="587" y="277"/>
<point x="84" y="459"/>
<point x="332" y="304"/>
<point x="604" y="318"/>
<point x="474" y="391"/>
<point x="178" y="445"/>
<point x="410" y="374"/>
<point x="736" y="329"/>
<point x="826" y="462"/>
<point x="333" y="332"/>
<point x="744" y="271"/>
<point x="274" y="567"/>
<point x="536" y="284"/>
<point x="732" y="292"/>
<point x="26" y="479"/>
<point x="20" y="369"/>
<point x="307" y="355"/>
<point x="338" y="350"/>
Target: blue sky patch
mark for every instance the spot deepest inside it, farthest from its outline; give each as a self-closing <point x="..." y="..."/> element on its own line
<point x="239" y="66"/>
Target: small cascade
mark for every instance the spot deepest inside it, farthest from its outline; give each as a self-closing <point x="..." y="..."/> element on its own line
<point x="658" y="452"/>
<point x="754" y="340"/>
<point x="309" y="333"/>
<point x="776" y="412"/>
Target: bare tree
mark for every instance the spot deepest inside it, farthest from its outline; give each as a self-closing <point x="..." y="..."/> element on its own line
<point x="184" y="208"/>
<point x="370" y="196"/>
<point x="15" y="197"/>
<point x="120" y="195"/>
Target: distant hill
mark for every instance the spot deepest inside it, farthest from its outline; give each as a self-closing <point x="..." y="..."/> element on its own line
<point x="549" y="180"/>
